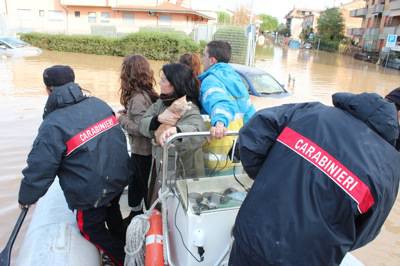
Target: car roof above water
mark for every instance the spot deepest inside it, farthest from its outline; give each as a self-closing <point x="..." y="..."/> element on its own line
<point x="246" y="70"/>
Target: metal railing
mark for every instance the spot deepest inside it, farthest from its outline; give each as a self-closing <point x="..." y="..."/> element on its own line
<point x="376" y="9"/>
<point x="360" y="12"/>
<point x="355" y="31"/>
<point x="165" y="190"/>
<point x="394" y="5"/>
<point x="172" y="138"/>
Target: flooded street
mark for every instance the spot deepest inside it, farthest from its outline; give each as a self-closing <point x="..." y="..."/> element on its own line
<point x="319" y="74"/>
<point x="315" y="75"/>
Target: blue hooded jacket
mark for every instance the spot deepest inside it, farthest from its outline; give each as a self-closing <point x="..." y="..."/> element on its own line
<point x="326" y="178"/>
<point x="223" y="94"/>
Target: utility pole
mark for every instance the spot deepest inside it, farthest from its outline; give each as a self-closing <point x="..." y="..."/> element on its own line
<point x="250" y="42"/>
<point x="5" y="5"/>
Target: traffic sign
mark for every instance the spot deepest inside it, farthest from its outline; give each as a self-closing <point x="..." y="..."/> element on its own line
<point x="391" y="40"/>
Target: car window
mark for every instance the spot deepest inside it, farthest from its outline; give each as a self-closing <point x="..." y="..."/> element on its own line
<point x="4" y="45"/>
<point x="245" y="83"/>
<point x="15" y="42"/>
<point x="265" y="84"/>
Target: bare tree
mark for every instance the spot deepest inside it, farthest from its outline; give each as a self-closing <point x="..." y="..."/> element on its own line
<point x="241" y="16"/>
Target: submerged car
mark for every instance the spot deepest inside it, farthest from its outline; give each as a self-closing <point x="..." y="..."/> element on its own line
<point x="264" y="89"/>
<point x="10" y="46"/>
<point x="367" y="56"/>
<point x="258" y="82"/>
<point x="307" y="45"/>
<point x="393" y="63"/>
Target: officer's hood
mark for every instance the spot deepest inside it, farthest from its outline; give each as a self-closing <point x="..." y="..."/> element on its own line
<point x="62" y="96"/>
<point x="372" y="109"/>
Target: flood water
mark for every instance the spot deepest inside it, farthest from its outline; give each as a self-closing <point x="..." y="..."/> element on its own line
<point x="317" y="75"/>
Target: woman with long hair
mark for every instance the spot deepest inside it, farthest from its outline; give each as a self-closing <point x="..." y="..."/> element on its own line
<point x="177" y="110"/>
<point x="137" y="95"/>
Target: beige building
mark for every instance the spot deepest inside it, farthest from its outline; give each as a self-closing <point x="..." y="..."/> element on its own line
<point x="298" y="18"/>
<point x="380" y="18"/>
<point x="109" y="17"/>
<point x="353" y="24"/>
<point x="311" y="21"/>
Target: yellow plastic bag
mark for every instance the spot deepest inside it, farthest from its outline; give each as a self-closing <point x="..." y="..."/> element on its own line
<point x="216" y="150"/>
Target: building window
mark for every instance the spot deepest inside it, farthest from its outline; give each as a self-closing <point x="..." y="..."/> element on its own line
<point x="24" y="14"/>
<point x="105" y="17"/>
<point x="92" y="17"/>
<point x="41" y="13"/>
<point x="128" y="18"/>
<point x="165" y="20"/>
<point x="55" y="15"/>
<point x="77" y="14"/>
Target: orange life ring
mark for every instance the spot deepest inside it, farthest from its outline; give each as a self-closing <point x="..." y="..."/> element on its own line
<point x="154" y="241"/>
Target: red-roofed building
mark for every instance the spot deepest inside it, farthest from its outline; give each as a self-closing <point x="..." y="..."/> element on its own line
<point x="102" y="16"/>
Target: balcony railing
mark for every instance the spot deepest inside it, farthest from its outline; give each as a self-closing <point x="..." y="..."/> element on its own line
<point x="361" y="12"/>
<point x="376" y="9"/>
<point x="355" y="31"/>
<point x="394" y="5"/>
<point x="389" y="30"/>
<point x="371" y="34"/>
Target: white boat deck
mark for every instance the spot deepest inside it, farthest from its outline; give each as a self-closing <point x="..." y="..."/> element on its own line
<point x="53" y="238"/>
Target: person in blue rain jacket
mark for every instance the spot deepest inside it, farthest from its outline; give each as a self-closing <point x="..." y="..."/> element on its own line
<point x="223" y="95"/>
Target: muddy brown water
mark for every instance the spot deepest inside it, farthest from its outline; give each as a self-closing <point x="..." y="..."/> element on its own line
<point x="317" y="76"/>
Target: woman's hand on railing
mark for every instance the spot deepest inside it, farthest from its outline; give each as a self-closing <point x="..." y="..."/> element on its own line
<point x="166" y="134"/>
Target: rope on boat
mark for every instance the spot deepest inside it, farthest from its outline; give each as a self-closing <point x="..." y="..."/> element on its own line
<point x="135" y="238"/>
<point x="136" y="235"/>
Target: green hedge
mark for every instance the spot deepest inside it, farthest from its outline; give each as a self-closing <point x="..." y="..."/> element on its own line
<point x="73" y="43"/>
<point x="236" y="36"/>
<point x="327" y="44"/>
<point x="153" y="45"/>
<point x="157" y="45"/>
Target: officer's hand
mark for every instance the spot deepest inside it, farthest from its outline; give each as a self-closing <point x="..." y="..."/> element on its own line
<point x="218" y="131"/>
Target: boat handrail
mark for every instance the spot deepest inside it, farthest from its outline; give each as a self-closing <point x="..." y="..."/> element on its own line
<point x="164" y="187"/>
<point x="171" y="139"/>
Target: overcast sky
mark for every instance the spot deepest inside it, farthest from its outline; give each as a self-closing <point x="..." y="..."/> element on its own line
<point x="276" y="8"/>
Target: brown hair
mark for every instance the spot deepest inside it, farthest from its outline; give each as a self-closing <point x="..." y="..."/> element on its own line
<point x="192" y="61"/>
<point x="136" y="77"/>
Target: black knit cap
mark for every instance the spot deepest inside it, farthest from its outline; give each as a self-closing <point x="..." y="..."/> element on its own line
<point x="58" y="75"/>
<point x="394" y="97"/>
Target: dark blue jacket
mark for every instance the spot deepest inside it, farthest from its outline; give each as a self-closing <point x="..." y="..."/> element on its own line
<point x="325" y="179"/>
<point x="92" y="167"/>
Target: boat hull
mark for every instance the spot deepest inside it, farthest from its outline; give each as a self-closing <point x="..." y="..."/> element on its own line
<point x="53" y="237"/>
